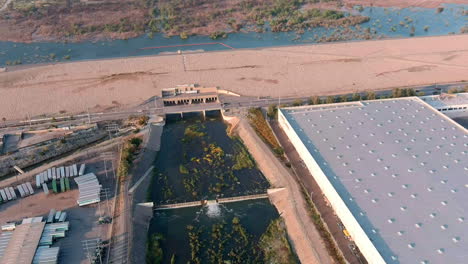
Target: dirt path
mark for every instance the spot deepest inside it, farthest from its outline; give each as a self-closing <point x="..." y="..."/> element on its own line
<point x="289" y="202"/>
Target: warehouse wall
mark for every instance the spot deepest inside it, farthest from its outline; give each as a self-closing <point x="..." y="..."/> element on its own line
<point x="357" y="233"/>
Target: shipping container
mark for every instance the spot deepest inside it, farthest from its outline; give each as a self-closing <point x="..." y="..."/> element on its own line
<point x="12" y="192"/>
<point x="38" y="181"/>
<point x="54" y="173"/>
<point x="31" y="190"/>
<point x="45" y="188"/>
<point x="41" y="178"/>
<point x="62" y="171"/>
<point x="67" y="184"/>
<point x="57" y="216"/>
<point x="3" y="194"/>
<point x="54" y="185"/>
<point x="82" y="170"/>
<point x="62" y="185"/>
<point x="67" y="171"/>
<point x="7" y="191"/>
<point x="63" y="217"/>
<point x="49" y="174"/>
<point x="50" y="218"/>
<point x="25" y="189"/>
<point x="20" y="190"/>
<point x="75" y="170"/>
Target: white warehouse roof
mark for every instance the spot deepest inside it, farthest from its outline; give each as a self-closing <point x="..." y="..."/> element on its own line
<point x="401" y="168"/>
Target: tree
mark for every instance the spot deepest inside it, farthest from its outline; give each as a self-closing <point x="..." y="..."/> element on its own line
<point x="410" y="92"/>
<point x="272" y="109"/>
<point x="404" y="92"/>
<point x="396" y="93"/>
<point x="344" y="98"/>
<point x="330" y="99"/>
<point x="314" y="100"/>
<point x="453" y="90"/>
<point x="4" y="121"/>
<point x="370" y="95"/>
<point x="297" y="102"/>
<point x="356" y="97"/>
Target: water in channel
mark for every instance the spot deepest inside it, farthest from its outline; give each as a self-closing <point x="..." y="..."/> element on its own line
<point x="198" y="160"/>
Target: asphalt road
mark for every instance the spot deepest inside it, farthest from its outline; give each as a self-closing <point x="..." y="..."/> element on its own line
<point x="153" y="106"/>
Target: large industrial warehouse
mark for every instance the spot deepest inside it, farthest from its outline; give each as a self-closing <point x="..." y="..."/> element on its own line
<point x="395" y="171"/>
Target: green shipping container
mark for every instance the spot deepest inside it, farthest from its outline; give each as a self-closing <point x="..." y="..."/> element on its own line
<point x="67" y="184"/>
<point x="54" y="185"/>
<point x="62" y="185"/>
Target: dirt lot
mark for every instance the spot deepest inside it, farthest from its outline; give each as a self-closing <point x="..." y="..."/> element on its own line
<point x="286" y="71"/>
<point x="83" y="220"/>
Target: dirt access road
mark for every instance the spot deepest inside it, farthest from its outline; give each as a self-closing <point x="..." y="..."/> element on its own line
<point x="294" y="71"/>
<point x="287" y="199"/>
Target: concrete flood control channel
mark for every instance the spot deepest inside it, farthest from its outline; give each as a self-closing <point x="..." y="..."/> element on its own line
<point x="199" y="161"/>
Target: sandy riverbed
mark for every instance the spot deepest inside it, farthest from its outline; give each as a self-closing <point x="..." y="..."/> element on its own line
<point x="286" y="71"/>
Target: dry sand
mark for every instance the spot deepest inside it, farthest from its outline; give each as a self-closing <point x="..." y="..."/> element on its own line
<point x="286" y="71"/>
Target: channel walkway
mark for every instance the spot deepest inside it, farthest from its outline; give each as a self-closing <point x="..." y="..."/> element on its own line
<point x="206" y="202"/>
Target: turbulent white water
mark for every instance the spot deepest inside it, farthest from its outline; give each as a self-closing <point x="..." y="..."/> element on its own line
<point x="213" y="210"/>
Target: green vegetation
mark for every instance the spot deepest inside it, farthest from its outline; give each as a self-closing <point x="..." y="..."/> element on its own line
<point x="218" y="35"/>
<point x="314" y="100"/>
<point x="275" y="245"/>
<point x="272" y="112"/>
<point x="242" y="158"/>
<point x="129" y="149"/>
<point x="183" y="169"/>
<point x="260" y="125"/>
<point x="297" y="102"/>
<point x="455" y="90"/>
<point x="154" y="253"/>
<point x="195" y="244"/>
<point x="177" y="17"/>
<point x="192" y="132"/>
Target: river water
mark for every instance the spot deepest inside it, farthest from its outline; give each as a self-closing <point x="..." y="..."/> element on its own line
<point x="385" y="22"/>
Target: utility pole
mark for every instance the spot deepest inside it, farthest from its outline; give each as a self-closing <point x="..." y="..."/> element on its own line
<point x="89" y="117"/>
